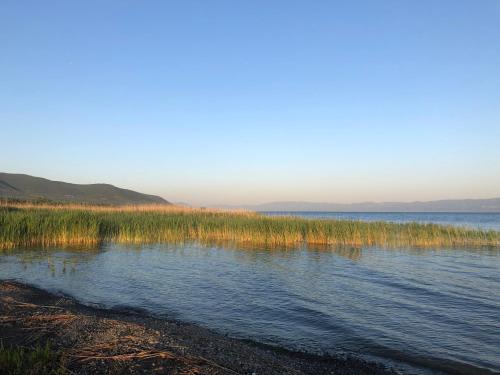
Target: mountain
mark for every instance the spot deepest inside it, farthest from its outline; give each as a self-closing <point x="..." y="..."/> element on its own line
<point x="455" y="205"/>
<point x="21" y="186"/>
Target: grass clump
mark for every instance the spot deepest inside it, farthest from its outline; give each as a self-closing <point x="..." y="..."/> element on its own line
<point x="25" y="225"/>
<point x="41" y="360"/>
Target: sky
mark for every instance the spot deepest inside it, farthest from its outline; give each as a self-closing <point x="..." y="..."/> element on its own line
<point x="241" y="102"/>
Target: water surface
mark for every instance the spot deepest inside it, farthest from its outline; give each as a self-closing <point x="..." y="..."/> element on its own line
<point x="429" y="309"/>
<point x="485" y="221"/>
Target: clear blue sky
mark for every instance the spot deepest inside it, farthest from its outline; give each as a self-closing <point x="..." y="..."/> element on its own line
<point x="252" y="101"/>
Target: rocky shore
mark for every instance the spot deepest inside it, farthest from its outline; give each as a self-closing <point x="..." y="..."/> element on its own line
<point x="97" y="341"/>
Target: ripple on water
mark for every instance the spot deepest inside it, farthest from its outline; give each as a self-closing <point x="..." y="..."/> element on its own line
<point x="433" y="308"/>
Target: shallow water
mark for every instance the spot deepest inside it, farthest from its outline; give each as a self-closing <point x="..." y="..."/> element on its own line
<point x="431" y="309"/>
<point x="485" y="221"/>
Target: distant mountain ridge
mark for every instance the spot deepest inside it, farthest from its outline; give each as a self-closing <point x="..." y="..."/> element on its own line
<point x="22" y="186"/>
<point x="451" y="205"/>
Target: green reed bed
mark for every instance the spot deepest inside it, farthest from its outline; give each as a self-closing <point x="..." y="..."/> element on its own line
<point x="40" y="360"/>
<point x="78" y="226"/>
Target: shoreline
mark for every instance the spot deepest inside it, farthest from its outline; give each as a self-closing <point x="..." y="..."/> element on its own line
<point x="112" y="341"/>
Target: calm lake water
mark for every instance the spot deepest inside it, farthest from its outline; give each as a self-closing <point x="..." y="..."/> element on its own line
<point x="484" y="221"/>
<point x="424" y="311"/>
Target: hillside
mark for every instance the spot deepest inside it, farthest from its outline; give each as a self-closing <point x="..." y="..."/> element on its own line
<point x="21" y="186"/>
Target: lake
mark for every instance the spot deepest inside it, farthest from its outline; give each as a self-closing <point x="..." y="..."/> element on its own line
<point x="486" y="221"/>
<point x="421" y="310"/>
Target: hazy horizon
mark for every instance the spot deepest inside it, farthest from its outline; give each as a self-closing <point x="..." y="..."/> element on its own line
<point x="270" y="202"/>
<point x="249" y="103"/>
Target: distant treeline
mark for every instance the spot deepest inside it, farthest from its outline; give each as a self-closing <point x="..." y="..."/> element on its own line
<point x="28" y="224"/>
<point x="38" y="201"/>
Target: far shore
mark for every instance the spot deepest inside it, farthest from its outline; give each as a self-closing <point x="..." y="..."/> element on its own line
<point x="93" y="340"/>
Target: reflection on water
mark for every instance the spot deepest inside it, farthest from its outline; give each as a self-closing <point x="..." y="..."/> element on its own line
<point x="436" y="309"/>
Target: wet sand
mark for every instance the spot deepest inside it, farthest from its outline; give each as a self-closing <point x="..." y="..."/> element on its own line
<point x="100" y="341"/>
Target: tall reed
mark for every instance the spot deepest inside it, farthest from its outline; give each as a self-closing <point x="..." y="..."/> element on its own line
<point x="25" y="225"/>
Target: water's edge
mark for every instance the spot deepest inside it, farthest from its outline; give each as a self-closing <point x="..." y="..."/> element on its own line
<point x="421" y="309"/>
<point x="379" y="366"/>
